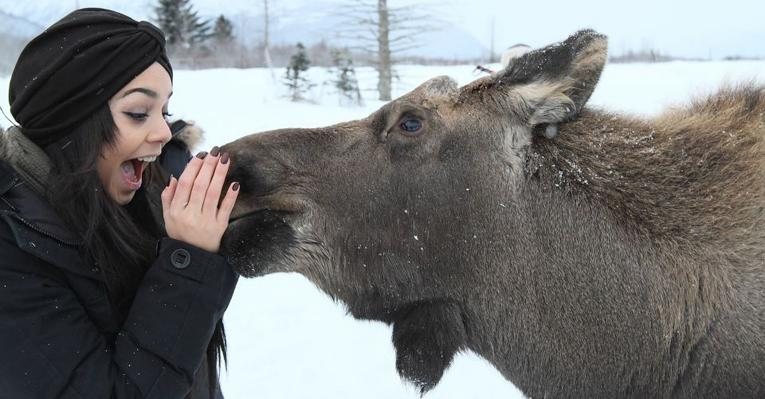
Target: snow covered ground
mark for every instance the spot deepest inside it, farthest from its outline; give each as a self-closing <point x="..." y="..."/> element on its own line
<point x="289" y="340"/>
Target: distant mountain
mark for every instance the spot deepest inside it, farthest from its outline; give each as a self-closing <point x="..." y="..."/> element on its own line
<point x="36" y="15"/>
<point x="18" y="26"/>
<point x="305" y="21"/>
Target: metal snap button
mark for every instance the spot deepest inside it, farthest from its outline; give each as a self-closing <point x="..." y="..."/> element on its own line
<point x="180" y="258"/>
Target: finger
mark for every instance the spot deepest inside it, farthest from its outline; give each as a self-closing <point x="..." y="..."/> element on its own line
<point x="168" y="192"/>
<point x="216" y="185"/>
<point x="202" y="182"/>
<point x="227" y="205"/>
<point x="186" y="181"/>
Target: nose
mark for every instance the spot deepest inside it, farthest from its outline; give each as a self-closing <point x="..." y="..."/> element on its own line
<point x="161" y="133"/>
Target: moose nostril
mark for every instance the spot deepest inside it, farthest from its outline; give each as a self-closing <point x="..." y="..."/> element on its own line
<point x="238" y="173"/>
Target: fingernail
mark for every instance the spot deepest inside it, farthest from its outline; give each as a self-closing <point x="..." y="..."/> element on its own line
<point x="224" y="158"/>
<point x="170" y="180"/>
<point x="215" y="151"/>
<point x="235" y="186"/>
<point x="202" y="155"/>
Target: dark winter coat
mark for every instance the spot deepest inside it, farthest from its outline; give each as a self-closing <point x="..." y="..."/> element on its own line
<point x="59" y="335"/>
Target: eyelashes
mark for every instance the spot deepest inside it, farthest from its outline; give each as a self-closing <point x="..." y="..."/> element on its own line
<point x="142" y="116"/>
<point x="137" y="116"/>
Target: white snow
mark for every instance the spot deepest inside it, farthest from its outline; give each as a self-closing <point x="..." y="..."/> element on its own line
<point x="289" y="340"/>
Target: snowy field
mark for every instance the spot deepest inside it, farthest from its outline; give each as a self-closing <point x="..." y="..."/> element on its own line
<point x="289" y="340"/>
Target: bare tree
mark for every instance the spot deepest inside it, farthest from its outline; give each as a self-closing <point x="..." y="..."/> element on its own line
<point x="381" y="31"/>
<point x="266" y="39"/>
<point x="492" y="51"/>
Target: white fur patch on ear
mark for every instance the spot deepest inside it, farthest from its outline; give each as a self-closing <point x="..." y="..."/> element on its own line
<point x="516" y="141"/>
<point x="546" y="102"/>
<point x="191" y="135"/>
<point x="551" y="131"/>
<point x="513" y="53"/>
<point x="593" y="57"/>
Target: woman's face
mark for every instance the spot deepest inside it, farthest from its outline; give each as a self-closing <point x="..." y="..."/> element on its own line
<point x="139" y="110"/>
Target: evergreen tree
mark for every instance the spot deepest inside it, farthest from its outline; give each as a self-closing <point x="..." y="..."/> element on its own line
<point x="223" y="33"/>
<point x="345" y="77"/>
<point x="181" y="23"/>
<point x="168" y="17"/>
<point x="294" y="78"/>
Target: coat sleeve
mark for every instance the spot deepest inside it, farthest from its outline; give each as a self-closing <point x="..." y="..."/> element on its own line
<point x="50" y="348"/>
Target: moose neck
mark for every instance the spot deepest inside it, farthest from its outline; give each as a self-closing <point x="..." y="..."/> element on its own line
<point x="594" y="285"/>
<point x="663" y="176"/>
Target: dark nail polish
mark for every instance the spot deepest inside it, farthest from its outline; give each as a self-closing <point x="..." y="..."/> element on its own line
<point x="202" y="155"/>
<point x="235" y="186"/>
<point x="215" y="151"/>
<point x="224" y="158"/>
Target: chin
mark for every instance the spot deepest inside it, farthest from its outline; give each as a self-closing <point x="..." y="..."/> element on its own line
<point x="122" y="198"/>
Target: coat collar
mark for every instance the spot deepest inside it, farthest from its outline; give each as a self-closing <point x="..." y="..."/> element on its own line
<point x="8" y="177"/>
<point x="37" y="229"/>
<point x="31" y="209"/>
<point x="29" y="160"/>
<point x="22" y="184"/>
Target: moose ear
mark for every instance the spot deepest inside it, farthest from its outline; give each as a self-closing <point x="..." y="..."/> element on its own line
<point x="554" y="82"/>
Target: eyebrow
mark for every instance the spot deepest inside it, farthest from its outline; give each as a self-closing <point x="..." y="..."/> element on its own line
<point x="143" y="90"/>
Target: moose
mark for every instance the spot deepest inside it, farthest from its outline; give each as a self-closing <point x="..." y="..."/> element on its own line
<point x="581" y="252"/>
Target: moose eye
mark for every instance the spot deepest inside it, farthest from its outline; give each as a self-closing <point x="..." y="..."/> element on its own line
<point x="411" y="125"/>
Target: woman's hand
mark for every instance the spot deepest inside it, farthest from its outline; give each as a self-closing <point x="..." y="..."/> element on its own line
<point x="190" y="204"/>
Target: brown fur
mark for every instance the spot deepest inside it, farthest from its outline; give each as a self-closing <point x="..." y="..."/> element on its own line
<point x="694" y="174"/>
<point x="623" y="258"/>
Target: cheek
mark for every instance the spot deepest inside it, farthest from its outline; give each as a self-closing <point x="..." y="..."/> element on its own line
<point x="108" y="162"/>
<point x="452" y="149"/>
<point x="401" y="152"/>
<point x="418" y="150"/>
<point x="122" y="122"/>
<point x="125" y="142"/>
<point x="105" y="169"/>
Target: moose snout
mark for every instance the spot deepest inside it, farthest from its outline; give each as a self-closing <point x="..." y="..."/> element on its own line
<point x="259" y="176"/>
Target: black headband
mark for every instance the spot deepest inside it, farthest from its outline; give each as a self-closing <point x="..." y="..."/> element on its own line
<point x="75" y="66"/>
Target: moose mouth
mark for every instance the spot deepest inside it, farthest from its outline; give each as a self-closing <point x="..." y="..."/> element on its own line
<point x="261" y="213"/>
<point x="257" y="241"/>
<point x="266" y="205"/>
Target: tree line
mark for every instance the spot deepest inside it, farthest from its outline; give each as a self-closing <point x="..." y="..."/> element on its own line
<point x="380" y="33"/>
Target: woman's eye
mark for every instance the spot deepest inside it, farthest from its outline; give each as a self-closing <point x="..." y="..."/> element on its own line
<point x="139" y="116"/>
<point x="166" y="115"/>
<point x="411" y="125"/>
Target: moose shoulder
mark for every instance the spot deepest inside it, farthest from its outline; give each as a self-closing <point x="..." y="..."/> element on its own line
<point x="584" y="254"/>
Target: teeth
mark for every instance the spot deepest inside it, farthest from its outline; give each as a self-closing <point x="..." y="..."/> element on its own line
<point x="147" y="159"/>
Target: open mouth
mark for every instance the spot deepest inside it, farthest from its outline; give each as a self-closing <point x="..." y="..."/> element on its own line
<point x="132" y="171"/>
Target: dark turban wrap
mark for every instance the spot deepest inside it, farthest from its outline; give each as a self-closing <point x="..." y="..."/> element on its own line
<point x="74" y="67"/>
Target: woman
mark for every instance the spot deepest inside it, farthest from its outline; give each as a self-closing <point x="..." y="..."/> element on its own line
<point x="94" y="301"/>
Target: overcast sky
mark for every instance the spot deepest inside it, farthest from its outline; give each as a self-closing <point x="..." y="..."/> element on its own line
<point x="686" y="28"/>
<point x="689" y="28"/>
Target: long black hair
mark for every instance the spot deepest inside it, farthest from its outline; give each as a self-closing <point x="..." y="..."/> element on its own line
<point x="121" y="240"/>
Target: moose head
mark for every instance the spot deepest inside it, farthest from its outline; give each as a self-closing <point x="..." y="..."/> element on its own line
<point x="494" y="218"/>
